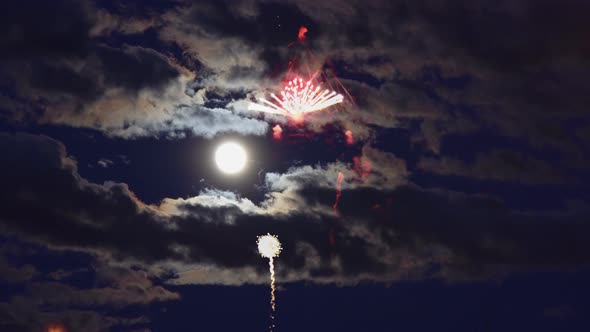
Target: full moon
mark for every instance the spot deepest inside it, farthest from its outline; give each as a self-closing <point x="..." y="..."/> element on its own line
<point x="230" y="158"/>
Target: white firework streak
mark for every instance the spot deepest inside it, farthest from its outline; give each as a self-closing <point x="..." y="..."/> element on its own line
<point x="298" y="98"/>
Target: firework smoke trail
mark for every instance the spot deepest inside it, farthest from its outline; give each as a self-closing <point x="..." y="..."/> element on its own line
<point x="338" y="190"/>
<point x="297" y="99"/>
<point x="270" y="247"/>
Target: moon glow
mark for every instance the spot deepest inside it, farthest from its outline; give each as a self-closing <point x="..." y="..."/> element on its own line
<point x="230" y="158"/>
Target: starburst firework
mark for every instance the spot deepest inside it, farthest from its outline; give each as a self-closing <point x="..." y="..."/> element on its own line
<point x="298" y="98"/>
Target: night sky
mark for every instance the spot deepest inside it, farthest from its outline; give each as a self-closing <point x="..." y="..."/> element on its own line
<point x="449" y="191"/>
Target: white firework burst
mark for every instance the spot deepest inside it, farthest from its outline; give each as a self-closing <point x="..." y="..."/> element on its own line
<point x="269" y="246"/>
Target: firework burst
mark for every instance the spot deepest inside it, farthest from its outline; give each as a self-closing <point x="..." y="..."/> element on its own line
<point x="270" y="247"/>
<point x="298" y="98"/>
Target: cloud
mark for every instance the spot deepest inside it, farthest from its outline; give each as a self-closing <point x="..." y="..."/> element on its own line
<point x="450" y="66"/>
<point x="19" y="316"/>
<point x="385" y="226"/>
<point x="441" y="74"/>
<point x="76" y="294"/>
<point x="422" y="77"/>
<point x="64" y="73"/>
<point x="12" y="274"/>
<point x="497" y="165"/>
<point x="105" y="163"/>
<point x="125" y="288"/>
<point x="207" y="122"/>
<point x="406" y="65"/>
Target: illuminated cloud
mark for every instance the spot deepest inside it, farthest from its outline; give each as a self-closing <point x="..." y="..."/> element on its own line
<point x="373" y="210"/>
<point x="439" y="107"/>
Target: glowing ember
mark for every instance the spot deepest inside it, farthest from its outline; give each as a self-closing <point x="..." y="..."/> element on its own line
<point x="302" y="32"/>
<point x="298" y="98"/>
<point x="277" y="132"/>
<point x="55" y="328"/>
<point x="349" y="138"/>
<point x="270" y="247"/>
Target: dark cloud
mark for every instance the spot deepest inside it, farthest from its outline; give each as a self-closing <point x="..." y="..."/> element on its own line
<point x="72" y="289"/>
<point x="431" y="60"/>
<point x="497" y="165"/>
<point x="37" y="29"/>
<point x="14" y="274"/>
<point x="380" y="224"/>
<point x="266" y="24"/>
<point x="135" y="68"/>
<point x="512" y="36"/>
<point x="471" y="75"/>
<point x="478" y="92"/>
<point x="148" y="9"/>
<point x="61" y="70"/>
<point x="71" y="87"/>
<point x="54" y="63"/>
<point x="42" y="175"/>
<point x="84" y="89"/>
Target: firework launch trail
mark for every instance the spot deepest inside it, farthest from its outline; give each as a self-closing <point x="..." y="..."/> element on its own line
<point x="270" y="247"/>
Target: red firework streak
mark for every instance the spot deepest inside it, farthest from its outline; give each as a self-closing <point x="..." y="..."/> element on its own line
<point x="338" y="191"/>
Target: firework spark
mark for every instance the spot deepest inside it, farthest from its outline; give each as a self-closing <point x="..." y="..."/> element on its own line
<point x="270" y="247"/>
<point x="298" y="98"/>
